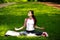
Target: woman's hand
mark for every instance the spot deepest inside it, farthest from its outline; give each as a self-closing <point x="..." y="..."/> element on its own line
<point x="42" y="28"/>
<point x="17" y="29"/>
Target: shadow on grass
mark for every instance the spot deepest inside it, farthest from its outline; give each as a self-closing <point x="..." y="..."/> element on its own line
<point x="11" y="20"/>
<point x="51" y="23"/>
<point x="21" y="38"/>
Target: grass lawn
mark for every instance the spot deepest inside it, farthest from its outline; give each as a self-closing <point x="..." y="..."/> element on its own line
<point x="13" y="16"/>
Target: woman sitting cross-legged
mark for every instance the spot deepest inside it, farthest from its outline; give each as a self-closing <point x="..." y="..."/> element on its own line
<point x="30" y="25"/>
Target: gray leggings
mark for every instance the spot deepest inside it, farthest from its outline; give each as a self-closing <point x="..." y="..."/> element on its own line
<point x="27" y="32"/>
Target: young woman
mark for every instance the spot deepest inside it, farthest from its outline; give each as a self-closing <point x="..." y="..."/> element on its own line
<point x="30" y="25"/>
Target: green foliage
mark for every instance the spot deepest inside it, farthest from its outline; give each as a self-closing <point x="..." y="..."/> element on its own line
<point x="13" y="16"/>
<point x="32" y="0"/>
<point x="4" y="1"/>
<point x="1" y="1"/>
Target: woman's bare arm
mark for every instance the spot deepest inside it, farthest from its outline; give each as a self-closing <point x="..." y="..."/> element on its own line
<point x="39" y="27"/>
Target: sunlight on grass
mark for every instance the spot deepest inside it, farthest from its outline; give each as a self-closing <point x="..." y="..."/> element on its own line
<point x="3" y="29"/>
<point x="22" y="9"/>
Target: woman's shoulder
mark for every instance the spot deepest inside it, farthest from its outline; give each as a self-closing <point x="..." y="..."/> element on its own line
<point x="26" y="19"/>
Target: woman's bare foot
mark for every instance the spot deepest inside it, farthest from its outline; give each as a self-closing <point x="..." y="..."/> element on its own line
<point x="44" y="34"/>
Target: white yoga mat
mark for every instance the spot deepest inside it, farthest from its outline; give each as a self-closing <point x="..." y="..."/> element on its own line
<point x="12" y="33"/>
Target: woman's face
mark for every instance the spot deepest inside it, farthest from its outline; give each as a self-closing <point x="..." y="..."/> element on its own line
<point x="29" y="14"/>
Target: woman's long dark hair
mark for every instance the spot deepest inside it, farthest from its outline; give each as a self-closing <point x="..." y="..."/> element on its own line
<point x="33" y="17"/>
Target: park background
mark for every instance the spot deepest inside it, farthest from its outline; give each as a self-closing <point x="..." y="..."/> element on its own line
<point x="13" y="13"/>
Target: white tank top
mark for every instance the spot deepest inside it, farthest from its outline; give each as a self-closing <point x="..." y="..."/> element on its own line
<point x="30" y="25"/>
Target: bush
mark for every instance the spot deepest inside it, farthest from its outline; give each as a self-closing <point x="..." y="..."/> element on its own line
<point x="1" y="1"/>
<point x="55" y="1"/>
<point x="32" y="0"/>
<point x="6" y="1"/>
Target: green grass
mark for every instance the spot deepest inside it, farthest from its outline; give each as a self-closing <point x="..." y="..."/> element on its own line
<point x="13" y="16"/>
